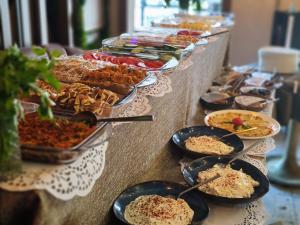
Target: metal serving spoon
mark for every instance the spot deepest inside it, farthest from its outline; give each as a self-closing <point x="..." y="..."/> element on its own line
<point x="198" y="185"/>
<point x="91" y="119"/>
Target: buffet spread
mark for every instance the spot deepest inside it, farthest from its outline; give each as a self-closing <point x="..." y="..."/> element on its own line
<point x="116" y="81"/>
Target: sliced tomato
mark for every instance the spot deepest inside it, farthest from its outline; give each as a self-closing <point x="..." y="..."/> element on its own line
<point x="156" y="64"/>
<point x="88" y="56"/>
<point x="183" y="32"/>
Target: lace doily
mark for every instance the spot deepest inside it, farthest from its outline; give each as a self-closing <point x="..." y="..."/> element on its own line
<point x="62" y="181"/>
<point x="251" y="214"/>
<point x="262" y="148"/>
<point x="258" y="163"/>
<point x="139" y="106"/>
<point x="162" y="87"/>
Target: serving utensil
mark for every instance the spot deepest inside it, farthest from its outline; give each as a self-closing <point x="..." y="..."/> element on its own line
<point x="197" y="185"/>
<point x="214" y="34"/>
<point x="91" y="119"/>
<point x="237" y="132"/>
<point x="239" y="154"/>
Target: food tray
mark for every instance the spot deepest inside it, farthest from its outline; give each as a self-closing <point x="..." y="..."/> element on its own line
<point x="134" y="62"/>
<point x="62" y="156"/>
<point x="184" y="23"/>
<point x="140" y="47"/>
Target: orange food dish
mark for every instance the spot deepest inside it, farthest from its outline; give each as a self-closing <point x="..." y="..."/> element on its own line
<point x="117" y="74"/>
<point x="181" y="37"/>
<point x="59" y="133"/>
<point x="84" y="71"/>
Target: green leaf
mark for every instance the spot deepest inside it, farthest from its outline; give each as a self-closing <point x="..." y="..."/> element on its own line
<point x="38" y="50"/>
<point x="55" y="53"/>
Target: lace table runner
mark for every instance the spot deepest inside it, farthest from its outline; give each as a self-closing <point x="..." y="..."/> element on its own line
<point x="62" y="181"/>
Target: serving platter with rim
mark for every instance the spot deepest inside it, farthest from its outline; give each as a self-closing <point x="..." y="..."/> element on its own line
<point x="272" y="123"/>
<point x="179" y="138"/>
<point x="164" y="189"/>
<point x="191" y="170"/>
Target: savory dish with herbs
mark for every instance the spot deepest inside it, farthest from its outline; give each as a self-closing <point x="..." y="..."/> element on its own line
<point x="87" y="72"/>
<point x="158" y="210"/>
<point x="193" y="25"/>
<point x="208" y="145"/>
<point x="79" y="97"/>
<point x="233" y="121"/>
<point x="231" y="183"/>
<point x="57" y="133"/>
<point x="181" y="37"/>
<point x="120" y="60"/>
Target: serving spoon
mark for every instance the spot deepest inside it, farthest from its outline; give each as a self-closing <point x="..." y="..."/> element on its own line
<point x="237" y="132"/>
<point x="91" y="119"/>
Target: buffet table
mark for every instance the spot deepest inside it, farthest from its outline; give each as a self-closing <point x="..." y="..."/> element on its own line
<point x="136" y="152"/>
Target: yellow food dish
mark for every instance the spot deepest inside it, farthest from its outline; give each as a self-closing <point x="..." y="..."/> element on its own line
<point x="208" y="145"/>
<point x="231" y="183"/>
<point x="158" y="210"/>
<point x="224" y="121"/>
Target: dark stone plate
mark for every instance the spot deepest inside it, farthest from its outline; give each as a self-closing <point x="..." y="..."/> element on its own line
<point x="190" y="174"/>
<point x="162" y="188"/>
<point x="180" y="136"/>
<point x="217" y="106"/>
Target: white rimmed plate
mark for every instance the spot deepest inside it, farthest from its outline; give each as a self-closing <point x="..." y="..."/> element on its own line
<point x="273" y="123"/>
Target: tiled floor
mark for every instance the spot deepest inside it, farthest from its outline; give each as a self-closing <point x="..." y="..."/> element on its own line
<point x="282" y="204"/>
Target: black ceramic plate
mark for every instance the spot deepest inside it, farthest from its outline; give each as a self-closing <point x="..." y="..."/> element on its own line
<point x="216" y="106"/>
<point x="180" y="136"/>
<point x="162" y="188"/>
<point x="190" y="174"/>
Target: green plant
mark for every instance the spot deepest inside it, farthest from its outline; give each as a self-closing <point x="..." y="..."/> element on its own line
<point x="80" y="35"/>
<point x="17" y="77"/>
<point x="184" y="4"/>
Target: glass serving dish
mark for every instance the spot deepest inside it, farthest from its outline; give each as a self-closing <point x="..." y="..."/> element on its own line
<point x="147" y="47"/>
<point x="58" y="155"/>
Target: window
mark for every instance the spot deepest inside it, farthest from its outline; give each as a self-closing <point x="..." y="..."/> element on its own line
<point x="148" y="10"/>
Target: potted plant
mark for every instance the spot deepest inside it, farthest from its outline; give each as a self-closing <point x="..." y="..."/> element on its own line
<point x="18" y="75"/>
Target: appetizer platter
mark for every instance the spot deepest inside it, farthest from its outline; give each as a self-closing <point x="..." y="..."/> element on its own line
<point x="147" y="47"/>
<point x="237" y="120"/>
<point x="59" y="141"/>
<point x="252" y="103"/>
<point x="76" y="97"/>
<point x="256" y="91"/>
<point x="184" y="23"/>
<point x="217" y="19"/>
<point x="172" y="36"/>
<point x="135" y="62"/>
<point x="153" y="202"/>
<point x="105" y="75"/>
<point x="239" y="183"/>
<point x="216" y="100"/>
<point x="199" y="141"/>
